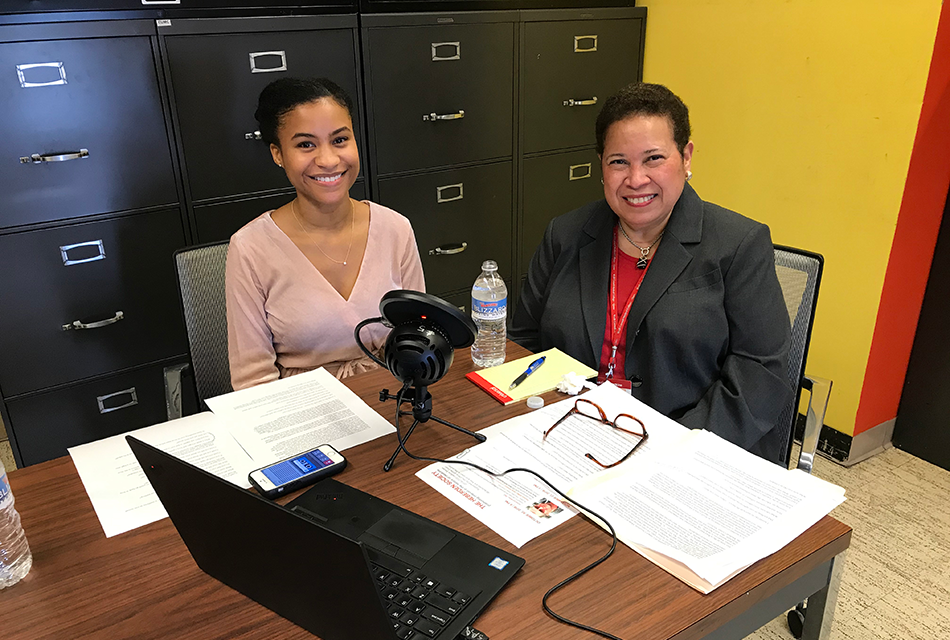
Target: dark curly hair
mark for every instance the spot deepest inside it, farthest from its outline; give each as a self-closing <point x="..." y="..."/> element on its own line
<point x="644" y="99"/>
<point x="282" y="96"/>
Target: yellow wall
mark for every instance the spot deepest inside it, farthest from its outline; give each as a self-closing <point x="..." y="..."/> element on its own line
<point x="804" y="114"/>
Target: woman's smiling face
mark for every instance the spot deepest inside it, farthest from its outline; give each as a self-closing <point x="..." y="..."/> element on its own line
<point x="644" y="172"/>
<point x="318" y="151"/>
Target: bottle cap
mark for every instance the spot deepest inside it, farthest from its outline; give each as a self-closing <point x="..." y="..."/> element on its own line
<point x="535" y="402"/>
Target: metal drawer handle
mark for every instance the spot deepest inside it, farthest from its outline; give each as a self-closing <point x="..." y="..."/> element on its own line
<point x="161" y="1"/>
<point x="260" y="54"/>
<point x="64" y="250"/>
<point x="449" y="249"/>
<point x="439" y="191"/>
<point x="585" y="47"/>
<point x="253" y="135"/>
<point x="38" y="158"/>
<point x="576" y="173"/>
<point x="26" y="84"/>
<point x="432" y="117"/>
<point x="133" y="399"/>
<point x="454" y="53"/>
<point x="586" y="102"/>
<point x="77" y="325"/>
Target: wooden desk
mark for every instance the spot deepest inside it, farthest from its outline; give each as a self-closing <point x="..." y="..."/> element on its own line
<point x="144" y="584"/>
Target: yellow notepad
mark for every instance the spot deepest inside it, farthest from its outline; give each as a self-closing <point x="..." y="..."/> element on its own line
<point x="496" y="380"/>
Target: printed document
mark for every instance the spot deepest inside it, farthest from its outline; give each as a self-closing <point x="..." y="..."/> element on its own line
<point x="249" y="429"/>
<point x="519" y="506"/>
<point x="286" y="417"/>
<point x="118" y="489"/>
<point x="692" y="503"/>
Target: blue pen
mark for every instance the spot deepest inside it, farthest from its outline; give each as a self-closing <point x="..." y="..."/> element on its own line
<point x="531" y="369"/>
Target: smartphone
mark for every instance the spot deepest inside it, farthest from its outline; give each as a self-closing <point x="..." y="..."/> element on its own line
<point x="297" y="471"/>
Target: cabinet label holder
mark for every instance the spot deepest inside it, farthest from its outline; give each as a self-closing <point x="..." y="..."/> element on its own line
<point x="454" y="53"/>
<point x="65" y="249"/>
<point x="585" y="44"/>
<point x="267" y="54"/>
<point x="449" y="193"/>
<point x="21" y="70"/>
<point x="132" y="401"/>
<point x="579" y="171"/>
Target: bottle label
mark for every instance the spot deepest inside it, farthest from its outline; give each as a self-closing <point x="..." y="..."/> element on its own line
<point x="493" y="310"/>
<point x="5" y="493"/>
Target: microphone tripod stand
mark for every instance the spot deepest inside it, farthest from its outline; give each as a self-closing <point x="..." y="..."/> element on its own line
<point x="421" y="401"/>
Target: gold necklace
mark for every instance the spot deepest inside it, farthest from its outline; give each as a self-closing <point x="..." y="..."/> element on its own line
<point x="644" y="251"/>
<point x="293" y="209"/>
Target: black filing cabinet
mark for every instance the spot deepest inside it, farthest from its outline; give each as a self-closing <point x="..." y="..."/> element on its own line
<point x="441" y="111"/>
<point x="573" y="60"/>
<point x="90" y="216"/>
<point x="129" y="132"/>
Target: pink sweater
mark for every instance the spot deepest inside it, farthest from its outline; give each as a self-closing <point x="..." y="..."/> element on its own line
<point x="285" y="318"/>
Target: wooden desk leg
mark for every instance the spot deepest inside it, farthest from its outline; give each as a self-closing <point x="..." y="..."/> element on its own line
<point x="821" y="605"/>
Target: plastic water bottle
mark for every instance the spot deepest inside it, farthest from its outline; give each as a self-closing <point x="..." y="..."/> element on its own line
<point x="15" y="556"/>
<point x="489" y="311"/>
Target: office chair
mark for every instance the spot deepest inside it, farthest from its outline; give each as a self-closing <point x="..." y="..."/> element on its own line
<point x="201" y="285"/>
<point x="799" y="274"/>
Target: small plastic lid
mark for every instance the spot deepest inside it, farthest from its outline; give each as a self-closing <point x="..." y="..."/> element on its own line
<point x="535" y="402"/>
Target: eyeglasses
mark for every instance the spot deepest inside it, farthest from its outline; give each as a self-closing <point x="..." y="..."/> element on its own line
<point x="623" y="422"/>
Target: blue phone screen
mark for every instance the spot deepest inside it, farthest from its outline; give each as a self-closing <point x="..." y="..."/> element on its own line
<point x="290" y="470"/>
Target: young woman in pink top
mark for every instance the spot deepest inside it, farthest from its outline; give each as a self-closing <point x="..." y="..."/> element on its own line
<point x="299" y="278"/>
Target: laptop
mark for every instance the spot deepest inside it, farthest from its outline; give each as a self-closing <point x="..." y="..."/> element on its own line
<point x="336" y="561"/>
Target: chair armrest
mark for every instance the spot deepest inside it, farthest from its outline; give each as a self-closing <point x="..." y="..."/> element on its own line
<point x="819" y="389"/>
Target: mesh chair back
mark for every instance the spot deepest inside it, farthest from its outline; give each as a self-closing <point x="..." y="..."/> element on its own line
<point x="201" y="284"/>
<point x="799" y="274"/>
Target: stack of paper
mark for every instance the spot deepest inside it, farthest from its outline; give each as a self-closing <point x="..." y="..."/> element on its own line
<point x="249" y="429"/>
<point x="692" y="503"/>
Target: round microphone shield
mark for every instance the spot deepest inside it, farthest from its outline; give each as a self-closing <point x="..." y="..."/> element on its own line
<point x="401" y="306"/>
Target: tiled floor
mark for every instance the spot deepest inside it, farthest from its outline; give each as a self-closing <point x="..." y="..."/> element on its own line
<point x="6" y="454"/>
<point x="896" y="583"/>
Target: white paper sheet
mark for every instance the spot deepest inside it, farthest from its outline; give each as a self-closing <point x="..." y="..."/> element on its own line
<point x="280" y="419"/>
<point x="120" y="492"/>
<point x="518" y="506"/>
<point x="712" y="506"/>
<point x="698" y="506"/>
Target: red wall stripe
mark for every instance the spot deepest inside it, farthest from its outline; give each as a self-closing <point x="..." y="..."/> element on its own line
<point x="908" y="267"/>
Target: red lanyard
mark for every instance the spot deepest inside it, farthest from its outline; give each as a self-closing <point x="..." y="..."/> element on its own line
<point x="619" y="324"/>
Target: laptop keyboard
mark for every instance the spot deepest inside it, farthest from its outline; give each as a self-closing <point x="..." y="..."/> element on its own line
<point x="419" y="606"/>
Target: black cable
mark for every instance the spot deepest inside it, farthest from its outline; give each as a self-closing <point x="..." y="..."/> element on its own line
<point x="359" y="341"/>
<point x="562" y="583"/>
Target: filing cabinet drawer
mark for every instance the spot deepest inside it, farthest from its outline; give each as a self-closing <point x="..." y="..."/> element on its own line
<point x="553" y="185"/>
<point x="570" y="68"/>
<point x="217" y="78"/>
<point x="83" y="130"/>
<point x="462" y="300"/>
<point x="86" y="299"/>
<point x="45" y="424"/>
<point x="460" y="217"/>
<point x="219" y="221"/>
<point x="441" y="95"/>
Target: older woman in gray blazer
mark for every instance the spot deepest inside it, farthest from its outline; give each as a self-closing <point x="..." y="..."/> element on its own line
<point x="662" y="292"/>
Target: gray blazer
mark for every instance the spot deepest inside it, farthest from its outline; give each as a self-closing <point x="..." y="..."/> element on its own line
<point x="708" y="333"/>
